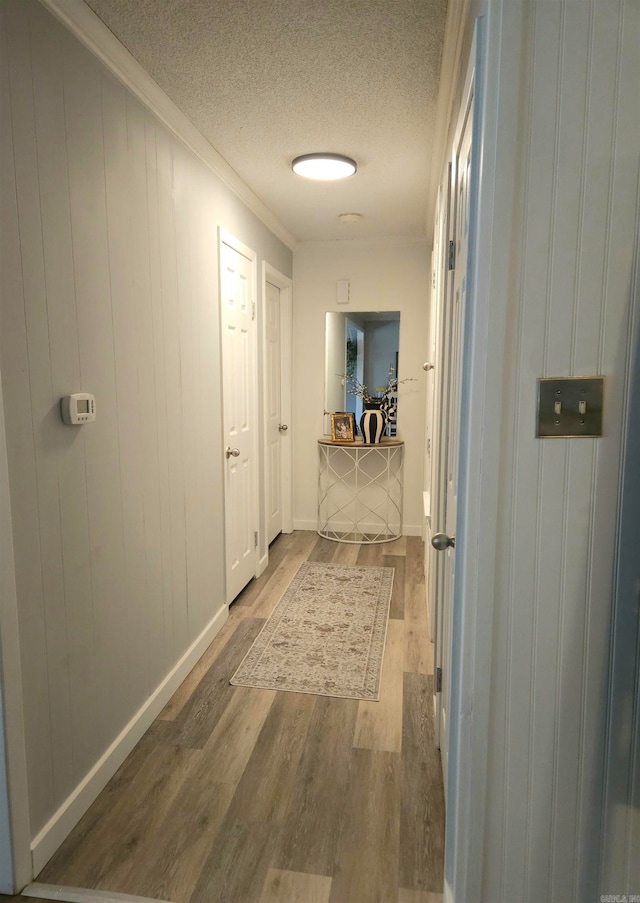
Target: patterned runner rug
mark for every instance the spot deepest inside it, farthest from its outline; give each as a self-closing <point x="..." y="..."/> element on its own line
<point x="326" y="635"/>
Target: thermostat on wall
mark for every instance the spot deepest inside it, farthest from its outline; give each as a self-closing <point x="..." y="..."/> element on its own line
<point x="78" y="409"/>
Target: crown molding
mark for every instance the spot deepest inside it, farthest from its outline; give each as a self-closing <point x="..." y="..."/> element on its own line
<point x="96" y="37"/>
<point x="383" y="240"/>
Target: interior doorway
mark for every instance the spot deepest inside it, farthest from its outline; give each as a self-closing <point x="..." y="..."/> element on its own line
<point x="276" y="395"/>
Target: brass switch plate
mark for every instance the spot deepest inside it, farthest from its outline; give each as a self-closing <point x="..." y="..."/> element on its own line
<point x="570" y="406"/>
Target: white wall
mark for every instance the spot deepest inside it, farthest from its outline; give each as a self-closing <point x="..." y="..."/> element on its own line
<point x="391" y="275"/>
<point x="557" y="241"/>
<point x="109" y="285"/>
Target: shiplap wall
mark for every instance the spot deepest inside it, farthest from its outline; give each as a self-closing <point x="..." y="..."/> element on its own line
<point x="109" y="285"/>
<point x="570" y="258"/>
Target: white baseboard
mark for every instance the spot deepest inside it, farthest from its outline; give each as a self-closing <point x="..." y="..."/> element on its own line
<point x="47" y="841"/>
<point x="407" y="529"/>
<point x="305" y="525"/>
<point x="80" y="894"/>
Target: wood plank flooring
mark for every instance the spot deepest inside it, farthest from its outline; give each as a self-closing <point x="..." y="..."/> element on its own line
<point x="240" y="795"/>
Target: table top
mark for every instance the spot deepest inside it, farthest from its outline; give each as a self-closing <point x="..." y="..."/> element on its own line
<point x="358" y="443"/>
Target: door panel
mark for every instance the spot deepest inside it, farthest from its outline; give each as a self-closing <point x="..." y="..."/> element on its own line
<point x="273" y="403"/>
<point x="239" y="392"/>
<point x="438" y="431"/>
<point x="453" y="307"/>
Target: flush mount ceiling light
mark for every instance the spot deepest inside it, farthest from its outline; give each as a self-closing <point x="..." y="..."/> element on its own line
<point x="324" y="167"/>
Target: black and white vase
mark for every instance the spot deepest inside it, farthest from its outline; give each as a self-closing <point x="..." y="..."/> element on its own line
<point x="372" y="423"/>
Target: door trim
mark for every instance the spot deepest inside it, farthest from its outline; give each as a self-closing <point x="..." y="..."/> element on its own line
<point x="285" y="284"/>
<point x="16" y="866"/>
<point x="235" y="244"/>
<point x="475" y="574"/>
<point x="438" y="447"/>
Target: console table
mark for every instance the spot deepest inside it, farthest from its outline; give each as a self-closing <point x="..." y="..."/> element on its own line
<point x="360" y="490"/>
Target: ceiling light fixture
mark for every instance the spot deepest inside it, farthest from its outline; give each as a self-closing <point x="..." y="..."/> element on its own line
<point x="324" y="167"/>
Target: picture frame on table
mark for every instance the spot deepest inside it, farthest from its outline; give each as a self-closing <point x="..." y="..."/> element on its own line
<point x="343" y="427"/>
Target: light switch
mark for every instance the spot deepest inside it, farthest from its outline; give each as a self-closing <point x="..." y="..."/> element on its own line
<point x="570" y="406"/>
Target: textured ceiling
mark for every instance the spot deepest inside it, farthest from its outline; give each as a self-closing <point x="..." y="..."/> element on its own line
<point x="266" y="80"/>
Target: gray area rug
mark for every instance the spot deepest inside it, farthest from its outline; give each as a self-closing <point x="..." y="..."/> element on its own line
<point x="325" y="636"/>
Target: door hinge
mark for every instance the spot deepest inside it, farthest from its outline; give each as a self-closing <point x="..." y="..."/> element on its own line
<point x="253" y="310"/>
<point x="255" y="539"/>
<point x="438" y="680"/>
<point x="451" y="262"/>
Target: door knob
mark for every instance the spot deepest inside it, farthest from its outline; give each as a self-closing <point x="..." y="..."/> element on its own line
<point x="283" y="427"/>
<point x="441" y="542"/>
<point x="427" y="367"/>
<point x="232" y="452"/>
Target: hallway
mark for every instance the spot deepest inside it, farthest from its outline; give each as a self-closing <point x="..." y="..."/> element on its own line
<point x="253" y="796"/>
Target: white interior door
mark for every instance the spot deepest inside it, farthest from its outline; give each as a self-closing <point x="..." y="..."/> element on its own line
<point x="237" y="295"/>
<point x="434" y="395"/>
<point x="275" y="429"/>
<point x="276" y="379"/>
<point x="442" y="414"/>
<point x="453" y="317"/>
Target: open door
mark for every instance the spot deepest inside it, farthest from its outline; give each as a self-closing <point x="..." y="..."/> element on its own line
<point x="436" y="434"/>
<point x="445" y="482"/>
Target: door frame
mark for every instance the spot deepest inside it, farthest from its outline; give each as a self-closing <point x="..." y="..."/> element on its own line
<point x="438" y="483"/>
<point x="484" y="352"/>
<point x="455" y="300"/>
<point x="285" y="284"/>
<point x="16" y="863"/>
<point x="432" y="405"/>
<point x="227" y="238"/>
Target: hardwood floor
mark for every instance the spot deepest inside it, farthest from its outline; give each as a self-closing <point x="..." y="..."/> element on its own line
<point x="240" y="795"/>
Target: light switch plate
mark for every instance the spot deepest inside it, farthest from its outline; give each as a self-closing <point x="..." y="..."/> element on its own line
<point x="570" y="406"/>
<point x="343" y="291"/>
